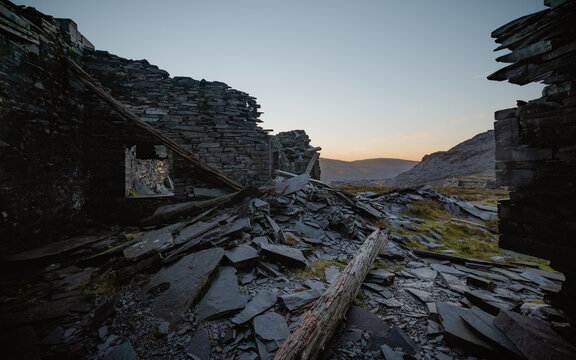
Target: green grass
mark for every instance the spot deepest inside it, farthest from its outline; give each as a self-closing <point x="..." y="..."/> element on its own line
<point x="425" y="209"/>
<point x="354" y="189"/>
<point x="316" y="269"/>
<point x="484" y="196"/>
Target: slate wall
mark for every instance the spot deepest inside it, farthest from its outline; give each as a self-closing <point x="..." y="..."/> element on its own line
<point x="43" y="177"/>
<point x="536" y="141"/>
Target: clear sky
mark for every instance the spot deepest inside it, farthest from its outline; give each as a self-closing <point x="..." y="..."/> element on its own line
<point x="364" y="78"/>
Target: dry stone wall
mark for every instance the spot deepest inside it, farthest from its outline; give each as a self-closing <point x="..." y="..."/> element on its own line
<point x="536" y="141"/>
<point x="63" y="150"/>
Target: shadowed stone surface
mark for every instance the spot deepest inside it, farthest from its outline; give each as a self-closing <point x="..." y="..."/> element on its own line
<point x="223" y="297"/>
<point x="242" y="256"/>
<point x="199" y="346"/>
<point x="533" y="337"/>
<point x="289" y="256"/>
<point x="299" y="299"/>
<point x="260" y="303"/>
<point x="483" y="323"/>
<point x="185" y="279"/>
<point x="157" y="240"/>
<point x="457" y="331"/>
<point x="271" y="330"/>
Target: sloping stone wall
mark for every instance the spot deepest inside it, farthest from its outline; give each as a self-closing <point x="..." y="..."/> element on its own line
<point x="536" y="141"/>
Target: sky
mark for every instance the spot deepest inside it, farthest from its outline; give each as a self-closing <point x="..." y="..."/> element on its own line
<point x="365" y="78"/>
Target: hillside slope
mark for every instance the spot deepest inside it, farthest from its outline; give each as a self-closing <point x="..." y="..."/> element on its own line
<point x="471" y="157"/>
<point x="382" y="168"/>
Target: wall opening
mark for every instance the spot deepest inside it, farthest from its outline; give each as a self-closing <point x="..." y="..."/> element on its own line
<point x="148" y="171"/>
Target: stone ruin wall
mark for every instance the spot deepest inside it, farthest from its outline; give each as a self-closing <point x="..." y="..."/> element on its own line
<point x="292" y="152"/>
<point x="536" y="141"/>
<point x="63" y="151"/>
<point x="43" y="178"/>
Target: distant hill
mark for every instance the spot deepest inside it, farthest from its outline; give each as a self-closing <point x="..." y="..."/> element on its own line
<point x="475" y="156"/>
<point x="339" y="170"/>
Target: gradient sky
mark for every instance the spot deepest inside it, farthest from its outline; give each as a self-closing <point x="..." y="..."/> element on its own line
<point x="364" y="78"/>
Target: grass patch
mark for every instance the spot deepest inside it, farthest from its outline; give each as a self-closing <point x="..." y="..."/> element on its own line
<point x="425" y="209"/>
<point x="104" y="285"/>
<point x="360" y="299"/>
<point x="484" y="196"/>
<point x="316" y="269"/>
<point x="354" y="189"/>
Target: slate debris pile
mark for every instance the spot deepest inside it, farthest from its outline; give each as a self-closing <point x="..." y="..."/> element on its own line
<point x="235" y="281"/>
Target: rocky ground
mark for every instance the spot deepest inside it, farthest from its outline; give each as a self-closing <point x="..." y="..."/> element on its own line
<point x="234" y="281"/>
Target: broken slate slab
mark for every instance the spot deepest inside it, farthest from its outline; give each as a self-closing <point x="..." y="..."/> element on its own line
<point x="423" y="296"/>
<point x="424" y="273"/>
<point x="260" y="303"/>
<point x="381" y="290"/>
<point x="533" y="337"/>
<point x="124" y="351"/>
<point x="457" y="332"/>
<point x="292" y="185"/>
<point x="381" y="277"/>
<point x="152" y="241"/>
<point x="299" y="299"/>
<point x="55" y="248"/>
<point x="396" y="338"/>
<point x="483" y="323"/>
<point x="286" y="255"/>
<point x="365" y="320"/>
<point x="223" y="297"/>
<point x="480" y="282"/>
<point x="241" y="256"/>
<point x="390" y="354"/>
<point x="199" y="346"/>
<point x="184" y="279"/>
<point x="271" y="330"/>
<point x="331" y="273"/>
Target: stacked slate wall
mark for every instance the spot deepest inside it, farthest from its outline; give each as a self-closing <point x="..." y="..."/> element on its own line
<point x="536" y="141"/>
<point x="43" y="177"/>
<point x="213" y="121"/>
<point x="292" y="152"/>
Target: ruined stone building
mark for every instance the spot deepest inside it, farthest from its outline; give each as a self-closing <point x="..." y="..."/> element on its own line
<point x="536" y="141"/>
<point x="67" y="157"/>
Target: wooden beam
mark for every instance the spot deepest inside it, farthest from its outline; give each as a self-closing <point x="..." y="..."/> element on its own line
<point x="130" y="117"/>
<point x="321" y="321"/>
<point x="312" y="163"/>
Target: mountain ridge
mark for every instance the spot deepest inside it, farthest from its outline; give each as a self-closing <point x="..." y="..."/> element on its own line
<point x="365" y="169"/>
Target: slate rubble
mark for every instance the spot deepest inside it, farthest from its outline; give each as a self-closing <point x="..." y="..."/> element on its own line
<point x="231" y="281"/>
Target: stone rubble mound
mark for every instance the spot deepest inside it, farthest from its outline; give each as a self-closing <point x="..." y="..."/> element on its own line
<point x="234" y="281"/>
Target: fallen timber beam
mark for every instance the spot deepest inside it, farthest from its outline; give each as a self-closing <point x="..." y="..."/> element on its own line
<point x="129" y="116"/>
<point x="319" y="324"/>
<point x="311" y="163"/>
<point x="176" y="211"/>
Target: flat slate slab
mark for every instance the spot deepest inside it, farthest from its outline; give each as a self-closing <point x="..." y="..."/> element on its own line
<point x="242" y="256"/>
<point x="483" y="323"/>
<point x="286" y="255"/>
<point x="271" y="330"/>
<point x="292" y="185"/>
<point x="365" y="320"/>
<point x="299" y="299"/>
<point x="260" y="303"/>
<point x="199" y="346"/>
<point x="381" y="277"/>
<point x="185" y="279"/>
<point x="535" y="338"/>
<point x="223" y="297"/>
<point x="194" y="231"/>
<point x="152" y="241"/>
<point x="55" y="248"/>
<point x="424" y="273"/>
<point x="423" y="296"/>
<point x="457" y="331"/>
